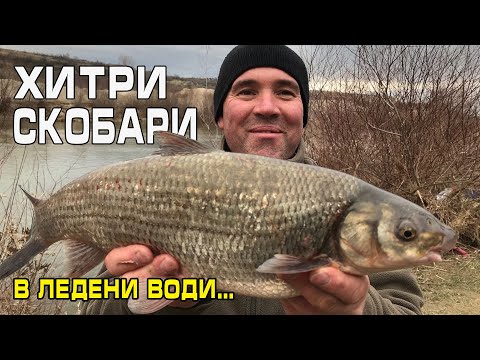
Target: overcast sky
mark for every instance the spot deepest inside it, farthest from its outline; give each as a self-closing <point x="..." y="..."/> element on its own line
<point x="181" y="60"/>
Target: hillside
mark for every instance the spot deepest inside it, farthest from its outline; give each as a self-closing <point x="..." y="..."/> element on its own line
<point x="181" y="92"/>
<point x="11" y="58"/>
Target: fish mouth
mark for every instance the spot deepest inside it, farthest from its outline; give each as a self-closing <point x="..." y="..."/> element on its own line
<point x="433" y="255"/>
<point x="449" y="242"/>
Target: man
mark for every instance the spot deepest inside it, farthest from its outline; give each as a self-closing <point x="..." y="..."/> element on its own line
<point x="261" y="104"/>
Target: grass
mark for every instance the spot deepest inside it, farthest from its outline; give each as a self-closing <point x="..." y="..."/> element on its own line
<point x="12" y="240"/>
<point x="462" y="214"/>
<point x="452" y="287"/>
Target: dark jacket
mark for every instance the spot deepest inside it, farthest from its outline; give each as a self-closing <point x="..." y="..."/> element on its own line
<point x="392" y="292"/>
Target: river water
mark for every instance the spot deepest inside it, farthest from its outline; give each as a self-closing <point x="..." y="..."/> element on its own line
<point x="43" y="169"/>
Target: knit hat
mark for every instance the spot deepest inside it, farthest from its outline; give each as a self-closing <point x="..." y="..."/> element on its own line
<point x="246" y="57"/>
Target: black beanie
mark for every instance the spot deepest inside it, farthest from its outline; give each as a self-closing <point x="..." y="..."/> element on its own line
<point x="246" y="57"/>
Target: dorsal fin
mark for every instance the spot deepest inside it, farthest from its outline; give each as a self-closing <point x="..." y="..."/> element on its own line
<point x="33" y="199"/>
<point x="174" y="144"/>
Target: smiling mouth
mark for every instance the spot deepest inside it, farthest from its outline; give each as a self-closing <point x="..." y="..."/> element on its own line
<point x="265" y="131"/>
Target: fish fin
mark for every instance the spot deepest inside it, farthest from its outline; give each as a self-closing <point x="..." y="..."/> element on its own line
<point x="22" y="257"/>
<point x="288" y="264"/>
<point x="144" y="305"/>
<point x="33" y="199"/>
<point x="80" y="258"/>
<point x="174" y="144"/>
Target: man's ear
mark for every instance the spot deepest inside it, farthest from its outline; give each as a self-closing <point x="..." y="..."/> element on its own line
<point x="220" y="122"/>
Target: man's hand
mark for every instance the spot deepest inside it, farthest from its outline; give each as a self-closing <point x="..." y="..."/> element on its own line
<point x="326" y="291"/>
<point x="323" y="291"/>
<point x="138" y="261"/>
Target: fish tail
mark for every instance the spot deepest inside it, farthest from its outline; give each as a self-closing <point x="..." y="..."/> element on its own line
<point x="21" y="258"/>
<point x="32" y="247"/>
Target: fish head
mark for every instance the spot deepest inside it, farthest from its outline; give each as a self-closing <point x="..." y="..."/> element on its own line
<point x="388" y="232"/>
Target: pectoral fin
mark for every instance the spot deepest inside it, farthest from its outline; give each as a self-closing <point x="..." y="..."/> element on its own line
<point x="80" y="258"/>
<point x="288" y="264"/>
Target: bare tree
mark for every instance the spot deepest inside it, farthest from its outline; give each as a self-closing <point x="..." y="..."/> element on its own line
<point x="404" y="118"/>
<point x="204" y="63"/>
<point x="424" y="101"/>
<point x="6" y="97"/>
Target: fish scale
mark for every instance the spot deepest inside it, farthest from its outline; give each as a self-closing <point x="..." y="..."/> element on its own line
<point x="240" y="215"/>
<point x="241" y="219"/>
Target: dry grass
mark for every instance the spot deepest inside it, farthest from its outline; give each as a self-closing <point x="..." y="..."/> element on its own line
<point x="462" y="214"/>
<point x="452" y="286"/>
<point x="12" y="240"/>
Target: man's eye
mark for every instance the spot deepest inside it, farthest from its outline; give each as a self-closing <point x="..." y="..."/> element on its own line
<point x="286" y="93"/>
<point x="246" y="92"/>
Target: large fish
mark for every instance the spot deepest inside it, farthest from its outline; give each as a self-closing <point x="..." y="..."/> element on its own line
<point x="238" y="218"/>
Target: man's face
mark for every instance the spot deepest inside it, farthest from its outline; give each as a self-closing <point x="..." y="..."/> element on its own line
<point x="263" y="114"/>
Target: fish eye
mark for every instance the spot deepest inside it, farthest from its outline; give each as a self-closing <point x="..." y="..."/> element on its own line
<point x="406" y="233"/>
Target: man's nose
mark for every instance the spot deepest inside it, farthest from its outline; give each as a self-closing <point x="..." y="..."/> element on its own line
<point x="266" y="105"/>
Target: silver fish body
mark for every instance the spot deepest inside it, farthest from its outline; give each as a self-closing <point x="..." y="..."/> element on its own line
<point x="238" y="218"/>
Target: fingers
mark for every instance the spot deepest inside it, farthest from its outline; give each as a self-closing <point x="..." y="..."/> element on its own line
<point x="350" y="289"/>
<point x="298" y="305"/>
<point x="327" y="291"/>
<point x="164" y="265"/>
<point x="122" y="260"/>
<point x="137" y="261"/>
